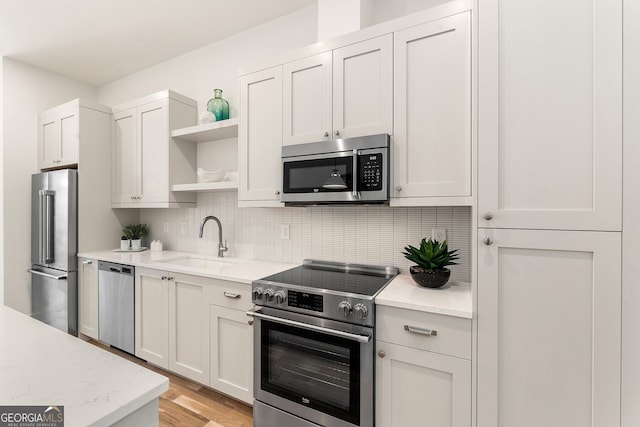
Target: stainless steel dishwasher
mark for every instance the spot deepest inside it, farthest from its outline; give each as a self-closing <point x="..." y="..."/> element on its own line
<point x="116" y="300"/>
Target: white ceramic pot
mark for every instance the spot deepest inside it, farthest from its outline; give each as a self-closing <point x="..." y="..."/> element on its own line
<point x="125" y="244"/>
<point x="136" y="244"/>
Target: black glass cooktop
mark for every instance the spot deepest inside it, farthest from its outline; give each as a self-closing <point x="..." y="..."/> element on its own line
<point x="334" y="278"/>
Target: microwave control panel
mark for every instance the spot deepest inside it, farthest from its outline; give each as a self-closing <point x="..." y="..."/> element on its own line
<point x="370" y="172"/>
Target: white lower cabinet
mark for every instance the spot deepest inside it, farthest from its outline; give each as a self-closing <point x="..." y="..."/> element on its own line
<point x="152" y="316"/>
<point x="418" y="382"/>
<point x="549" y="310"/>
<point x="188" y="329"/>
<point x="231" y="352"/>
<point x="88" y="297"/>
<point x="196" y="327"/>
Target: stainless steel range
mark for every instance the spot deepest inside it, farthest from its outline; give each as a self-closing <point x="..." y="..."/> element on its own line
<point x="314" y="345"/>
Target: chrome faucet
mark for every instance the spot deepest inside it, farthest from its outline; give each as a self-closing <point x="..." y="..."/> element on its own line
<point x="222" y="248"/>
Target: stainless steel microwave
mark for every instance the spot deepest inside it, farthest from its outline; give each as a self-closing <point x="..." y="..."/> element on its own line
<point x="341" y="171"/>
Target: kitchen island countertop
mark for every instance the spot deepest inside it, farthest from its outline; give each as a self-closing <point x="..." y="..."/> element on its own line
<point x="40" y="365"/>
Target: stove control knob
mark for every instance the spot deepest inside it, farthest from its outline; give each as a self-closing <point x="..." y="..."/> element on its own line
<point x="268" y="295"/>
<point x="361" y="311"/>
<point x="345" y="308"/>
<point x="257" y="293"/>
<point x="280" y="297"/>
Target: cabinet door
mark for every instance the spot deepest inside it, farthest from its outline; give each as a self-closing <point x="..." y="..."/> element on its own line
<point x="416" y="388"/>
<point x="88" y="297"/>
<point x="363" y="88"/>
<point x="188" y="328"/>
<point x="307" y="101"/>
<point x="69" y="138"/>
<point x="432" y="107"/>
<point x="231" y="353"/>
<point x="153" y="152"/>
<point x="152" y="316"/>
<point x="550" y="115"/>
<point x="260" y="136"/>
<point x="124" y="187"/>
<point x="548" y="328"/>
<point x="48" y="141"/>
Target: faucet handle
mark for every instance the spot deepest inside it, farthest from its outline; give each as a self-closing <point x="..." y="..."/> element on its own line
<point x="223" y="246"/>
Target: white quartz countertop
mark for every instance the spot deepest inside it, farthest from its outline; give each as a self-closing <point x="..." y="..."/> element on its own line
<point x="453" y="299"/>
<point x="240" y="270"/>
<point x="40" y="365"/>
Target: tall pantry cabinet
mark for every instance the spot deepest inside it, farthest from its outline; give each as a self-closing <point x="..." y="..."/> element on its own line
<point x="549" y="213"/>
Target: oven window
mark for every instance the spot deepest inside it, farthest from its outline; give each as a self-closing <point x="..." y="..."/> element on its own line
<point x="319" y="175"/>
<point x="314" y="369"/>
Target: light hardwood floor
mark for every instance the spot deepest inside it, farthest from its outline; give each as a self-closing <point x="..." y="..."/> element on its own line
<point x="190" y="404"/>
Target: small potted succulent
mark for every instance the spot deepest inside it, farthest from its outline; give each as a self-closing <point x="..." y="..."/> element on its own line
<point x="432" y="258"/>
<point x="125" y="243"/>
<point x="135" y="233"/>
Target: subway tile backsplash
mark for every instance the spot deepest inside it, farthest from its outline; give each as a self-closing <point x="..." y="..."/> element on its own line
<point x="360" y="234"/>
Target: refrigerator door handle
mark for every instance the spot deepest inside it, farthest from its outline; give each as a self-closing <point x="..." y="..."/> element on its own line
<point x="50" y="276"/>
<point x="41" y="227"/>
<point x="49" y="228"/>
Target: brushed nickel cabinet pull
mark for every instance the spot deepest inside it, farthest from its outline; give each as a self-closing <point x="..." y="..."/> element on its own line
<point x="232" y="295"/>
<point x="421" y="331"/>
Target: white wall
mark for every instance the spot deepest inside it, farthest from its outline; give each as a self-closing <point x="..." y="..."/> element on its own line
<point x="1" y="189"/>
<point x="385" y="10"/>
<point x="26" y="92"/>
<point x="363" y="234"/>
<point x="374" y="235"/>
<point x="196" y="74"/>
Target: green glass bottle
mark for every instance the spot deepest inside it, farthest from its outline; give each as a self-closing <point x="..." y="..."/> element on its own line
<point x="218" y="105"/>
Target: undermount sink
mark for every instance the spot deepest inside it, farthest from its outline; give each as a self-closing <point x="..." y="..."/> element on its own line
<point x="195" y="262"/>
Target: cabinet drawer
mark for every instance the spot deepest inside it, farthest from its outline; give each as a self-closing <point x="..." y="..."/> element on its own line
<point x="230" y="294"/>
<point x="409" y="328"/>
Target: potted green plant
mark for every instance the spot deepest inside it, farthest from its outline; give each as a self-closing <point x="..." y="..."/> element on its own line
<point x="135" y="233"/>
<point x="432" y="258"/>
<point x="125" y="243"/>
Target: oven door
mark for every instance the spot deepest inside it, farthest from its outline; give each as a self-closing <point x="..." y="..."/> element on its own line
<point x="316" y="369"/>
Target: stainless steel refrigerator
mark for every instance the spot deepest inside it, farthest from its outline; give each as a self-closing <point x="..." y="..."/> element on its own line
<point x="54" y="245"/>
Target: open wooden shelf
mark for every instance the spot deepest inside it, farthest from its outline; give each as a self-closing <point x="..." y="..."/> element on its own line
<point x="206" y="186"/>
<point x="209" y="131"/>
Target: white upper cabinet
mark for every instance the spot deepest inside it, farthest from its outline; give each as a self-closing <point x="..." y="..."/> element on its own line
<point x="260" y="138"/>
<point x="146" y="160"/>
<point x="549" y="328"/>
<point x="363" y="88"/>
<point x="59" y="132"/>
<point x="58" y="135"/>
<point x="342" y="93"/>
<point x="307" y="100"/>
<point x="550" y="114"/>
<point x="432" y="108"/>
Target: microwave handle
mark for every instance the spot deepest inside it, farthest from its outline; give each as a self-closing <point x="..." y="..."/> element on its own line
<point x="355" y="193"/>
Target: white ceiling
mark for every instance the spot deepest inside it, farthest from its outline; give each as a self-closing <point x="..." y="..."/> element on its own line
<point x="99" y="41"/>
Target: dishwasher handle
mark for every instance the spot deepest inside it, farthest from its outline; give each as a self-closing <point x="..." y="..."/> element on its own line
<point x="111" y="267"/>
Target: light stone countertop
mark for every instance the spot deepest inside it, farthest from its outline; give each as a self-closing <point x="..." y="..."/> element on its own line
<point x="40" y="365"/>
<point x="453" y="299"/>
<point x="240" y="270"/>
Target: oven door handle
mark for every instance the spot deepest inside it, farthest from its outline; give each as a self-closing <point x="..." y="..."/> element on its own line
<point x="353" y="337"/>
